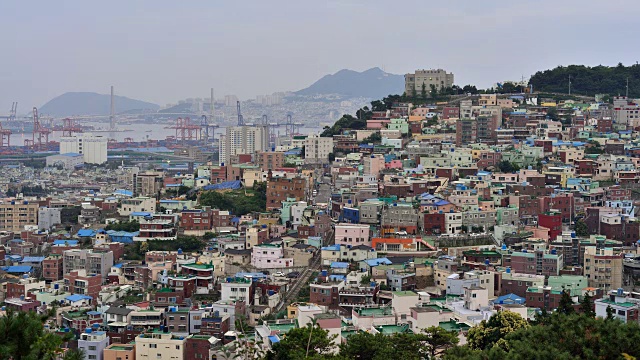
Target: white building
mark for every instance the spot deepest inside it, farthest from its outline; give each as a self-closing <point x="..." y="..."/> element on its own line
<point x="68" y="161"/>
<point x="93" y="343"/>
<point x="317" y="149"/>
<point x="160" y="346"/>
<point x="243" y="140"/>
<point x="138" y="204"/>
<point x="47" y="217"/>
<point x="93" y="148"/>
<point x="236" y="289"/>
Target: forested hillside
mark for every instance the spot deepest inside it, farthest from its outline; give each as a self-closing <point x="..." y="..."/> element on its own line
<point x="589" y="81"/>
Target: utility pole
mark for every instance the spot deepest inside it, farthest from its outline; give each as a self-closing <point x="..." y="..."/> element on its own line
<point x="627" y="95"/>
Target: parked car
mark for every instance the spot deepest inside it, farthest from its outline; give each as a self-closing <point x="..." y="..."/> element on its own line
<point x="293" y="274"/>
<point x="279" y="273"/>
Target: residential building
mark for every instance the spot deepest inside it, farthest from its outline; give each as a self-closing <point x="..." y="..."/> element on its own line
<point x="16" y="214"/>
<point x="317" y="149"/>
<point x="91" y="261"/>
<point x="160" y="345"/>
<point x="242" y="140"/>
<point x="93" y="343"/>
<point x="603" y="267"/>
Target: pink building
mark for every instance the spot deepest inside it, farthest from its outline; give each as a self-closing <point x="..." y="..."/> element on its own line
<point x="267" y="256"/>
<point x="504" y="178"/>
<point x="393" y="164"/>
<point x="377" y="124"/>
<point x="353" y="234"/>
<point x="373" y="165"/>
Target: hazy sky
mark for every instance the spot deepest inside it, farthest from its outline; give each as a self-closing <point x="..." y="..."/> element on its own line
<point x="163" y="51"/>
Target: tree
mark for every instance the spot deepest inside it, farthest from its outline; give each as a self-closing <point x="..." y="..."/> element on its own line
<point x="423" y="91"/>
<point x="209" y="235"/>
<point x="439" y="339"/>
<point x="489" y="333"/>
<point x="566" y="304"/>
<point x="581" y="228"/>
<point x="378" y="105"/>
<point x="563" y="337"/>
<point x="506" y="166"/>
<point x="373" y="138"/>
<point x="610" y="313"/>
<point x="364" y="345"/>
<point x="586" y="306"/>
<point x="74" y="354"/>
<point x="433" y="92"/>
<point x="301" y="343"/>
<point x="128" y="226"/>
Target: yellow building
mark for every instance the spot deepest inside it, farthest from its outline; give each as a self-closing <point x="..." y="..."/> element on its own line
<point x="15" y="215"/>
<point x="160" y="346"/>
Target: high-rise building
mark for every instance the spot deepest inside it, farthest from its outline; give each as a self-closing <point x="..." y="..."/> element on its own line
<point x="15" y="215"/>
<point x="93" y="148"/>
<point x="94" y="262"/>
<point x="438" y="78"/>
<point x="243" y="140"/>
<point x="603" y="267"/>
<point x="317" y="149"/>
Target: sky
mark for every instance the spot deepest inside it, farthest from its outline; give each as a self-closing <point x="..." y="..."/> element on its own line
<point x="164" y="51"/>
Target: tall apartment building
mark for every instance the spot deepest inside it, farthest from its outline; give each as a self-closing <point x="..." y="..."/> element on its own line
<point x="147" y="183"/>
<point x="93" y="148"/>
<point x="94" y="262"/>
<point x="48" y="217"/>
<point x="626" y="112"/>
<point x="317" y="149"/>
<point x="243" y="140"/>
<point x="270" y="160"/>
<point x="603" y="267"/>
<point x="438" y="78"/>
<point x="15" y="215"/>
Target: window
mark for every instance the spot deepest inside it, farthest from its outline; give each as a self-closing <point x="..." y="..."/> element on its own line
<point x="153" y="346"/>
<point x="92" y="348"/>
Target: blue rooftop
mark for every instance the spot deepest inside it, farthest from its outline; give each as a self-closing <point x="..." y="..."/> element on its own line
<point x="86" y="233"/>
<point x="77" y="297"/>
<point x="335" y="247"/>
<point x="273" y="339"/>
<point x="124" y="192"/>
<point x="140" y="213"/>
<point x="33" y="259"/>
<point x="339" y="265"/>
<point x="18" y="269"/>
<point x="71" y="154"/>
<point x="379" y="261"/>
<point x="509" y="299"/>
<point x="65" y="242"/>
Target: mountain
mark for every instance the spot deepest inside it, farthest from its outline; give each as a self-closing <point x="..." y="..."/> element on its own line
<point x="89" y="103"/>
<point x="373" y="83"/>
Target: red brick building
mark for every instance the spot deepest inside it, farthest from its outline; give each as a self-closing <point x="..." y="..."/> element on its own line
<point x="280" y="189"/>
<point x="450" y="112"/>
<point x="552" y="221"/>
<point x="197" y="347"/>
<point x="433" y="224"/>
<point x="78" y="282"/>
<point x="270" y="160"/>
<point x="196" y="219"/>
<point x="52" y="269"/>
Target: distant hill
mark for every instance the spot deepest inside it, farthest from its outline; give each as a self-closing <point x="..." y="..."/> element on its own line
<point x="373" y="83"/>
<point x="89" y="103"/>
<point x="589" y="81"/>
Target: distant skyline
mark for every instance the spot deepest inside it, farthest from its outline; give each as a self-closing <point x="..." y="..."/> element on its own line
<point x="163" y="51"/>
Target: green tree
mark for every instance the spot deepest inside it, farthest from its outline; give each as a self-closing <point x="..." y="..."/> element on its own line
<point x="439" y="339"/>
<point x="378" y="105"/>
<point x="586" y="306"/>
<point x="566" y="304"/>
<point x="581" y="228"/>
<point x="506" y="166"/>
<point x="610" y="313"/>
<point x="128" y="226"/>
<point x="365" y="346"/>
<point x="433" y="91"/>
<point x="423" y="91"/>
<point x="489" y="332"/>
<point x="301" y="343"/>
<point x="74" y="354"/>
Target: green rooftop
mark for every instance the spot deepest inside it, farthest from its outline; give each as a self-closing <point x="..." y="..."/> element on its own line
<point x="375" y="311"/>
<point x="199" y="266"/>
<point x="404" y="293"/>
<point x="623" y="304"/>
<point x="454" y="326"/>
<point x="121" y="348"/>
<point x="283" y="327"/>
<point x="392" y="329"/>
